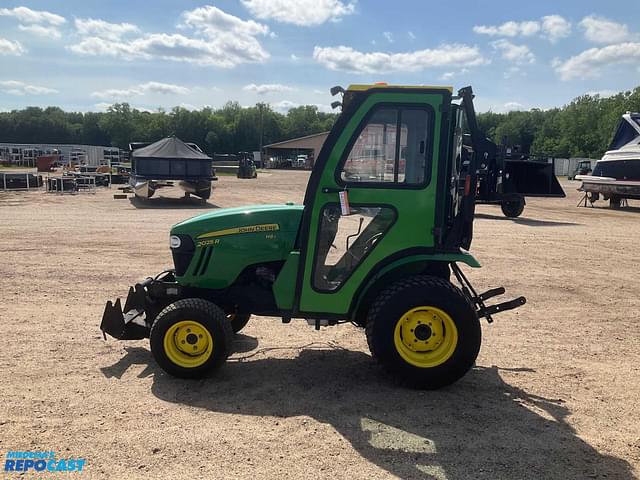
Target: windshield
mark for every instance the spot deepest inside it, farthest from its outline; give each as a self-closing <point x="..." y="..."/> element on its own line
<point x="625" y="132"/>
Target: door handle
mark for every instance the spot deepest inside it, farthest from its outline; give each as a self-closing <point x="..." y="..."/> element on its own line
<point x="332" y="190"/>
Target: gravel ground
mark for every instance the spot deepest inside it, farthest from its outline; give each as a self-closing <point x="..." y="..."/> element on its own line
<point x="554" y="394"/>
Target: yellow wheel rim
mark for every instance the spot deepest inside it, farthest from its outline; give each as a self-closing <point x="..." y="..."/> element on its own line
<point x="425" y="337"/>
<point x="188" y="344"/>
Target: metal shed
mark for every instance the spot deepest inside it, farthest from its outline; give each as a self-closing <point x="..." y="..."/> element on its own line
<point x="290" y="152"/>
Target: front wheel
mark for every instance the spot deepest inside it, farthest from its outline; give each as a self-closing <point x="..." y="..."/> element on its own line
<point x="424" y="332"/>
<point x="190" y="338"/>
<point x="513" y="208"/>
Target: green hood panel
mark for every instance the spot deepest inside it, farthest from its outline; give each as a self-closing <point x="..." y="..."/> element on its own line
<point x="230" y="239"/>
<point x="286" y="216"/>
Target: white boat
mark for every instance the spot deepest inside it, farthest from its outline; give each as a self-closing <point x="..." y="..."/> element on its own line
<point x="616" y="175"/>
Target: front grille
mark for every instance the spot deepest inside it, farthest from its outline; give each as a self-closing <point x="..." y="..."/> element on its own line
<point x="182" y="256"/>
<point x="203" y="261"/>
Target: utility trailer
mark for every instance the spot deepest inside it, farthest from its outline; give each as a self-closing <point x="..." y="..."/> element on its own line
<point x="170" y="160"/>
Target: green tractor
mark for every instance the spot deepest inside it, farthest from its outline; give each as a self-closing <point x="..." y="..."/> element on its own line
<point x="386" y="219"/>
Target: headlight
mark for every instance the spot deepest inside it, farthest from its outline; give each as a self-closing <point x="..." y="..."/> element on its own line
<point x="174" y="241"/>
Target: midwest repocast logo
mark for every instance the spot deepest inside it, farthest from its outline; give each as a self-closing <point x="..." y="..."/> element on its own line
<point x="41" y="462"/>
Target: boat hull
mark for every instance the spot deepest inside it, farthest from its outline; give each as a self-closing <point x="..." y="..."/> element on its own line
<point x="143" y="188"/>
<point x="609" y="187"/>
<point x="146" y="188"/>
<point x="199" y="188"/>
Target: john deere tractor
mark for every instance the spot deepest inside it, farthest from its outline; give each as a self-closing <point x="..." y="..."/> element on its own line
<point x="386" y="219"/>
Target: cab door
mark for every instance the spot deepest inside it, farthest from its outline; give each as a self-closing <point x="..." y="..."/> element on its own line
<point x="385" y="159"/>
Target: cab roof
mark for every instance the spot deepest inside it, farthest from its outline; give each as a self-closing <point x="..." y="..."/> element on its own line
<point x="363" y="87"/>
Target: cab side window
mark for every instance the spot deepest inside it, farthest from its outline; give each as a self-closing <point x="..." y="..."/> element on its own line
<point x="393" y="146"/>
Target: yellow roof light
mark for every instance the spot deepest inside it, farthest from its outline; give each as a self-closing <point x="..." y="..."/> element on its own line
<point x="362" y="88"/>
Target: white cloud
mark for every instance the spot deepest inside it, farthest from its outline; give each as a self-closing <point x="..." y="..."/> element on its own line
<point x="104" y="106"/>
<point x="36" y="22"/>
<point x="266" y="88"/>
<point x="41" y="30"/>
<point x="225" y="41"/>
<point x="513" y="106"/>
<point x="300" y="12"/>
<point x="173" y="47"/>
<point x="26" y="15"/>
<point x="212" y="22"/>
<point x="142" y="89"/>
<point x="349" y="60"/>
<point x="555" y="27"/>
<point x="388" y="36"/>
<point x="604" y="31"/>
<point x="411" y="35"/>
<point x="519" y="54"/>
<point x="294" y="57"/>
<point x="7" y="47"/>
<point x="447" y="76"/>
<point x="101" y="29"/>
<point x="590" y="62"/>
<point x="509" y="29"/>
<point x="16" y="87"/>
<point x="189" y="106"/>
<point x="284" y="106"/>
<point x="552" y="27"/>
<point x="602" y="93"/>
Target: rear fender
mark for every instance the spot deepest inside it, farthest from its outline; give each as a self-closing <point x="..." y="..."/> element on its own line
<point x="436" y="264"/>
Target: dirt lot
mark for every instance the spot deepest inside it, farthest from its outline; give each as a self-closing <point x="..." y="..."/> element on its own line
<point x="554" y="394"/>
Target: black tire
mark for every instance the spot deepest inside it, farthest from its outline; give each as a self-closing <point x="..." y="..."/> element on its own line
<point x="615" y="203"/>
<point x="238" y="321"/>
<point x="391" y="307"/>
<point x="513" y="208"/>
<point x="207" y="316"/>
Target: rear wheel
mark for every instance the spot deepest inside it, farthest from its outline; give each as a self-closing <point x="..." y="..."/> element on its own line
<point x="191" y="337"/>
<point x="513" y="208"/>
<point x="424" y="332"/>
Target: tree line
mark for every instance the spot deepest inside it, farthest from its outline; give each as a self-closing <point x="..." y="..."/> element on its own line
<point x="229" y="129"/>
<point x="582" y="128"/>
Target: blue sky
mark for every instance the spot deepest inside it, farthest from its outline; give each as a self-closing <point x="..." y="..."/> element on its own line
<point x="85" y="55"/>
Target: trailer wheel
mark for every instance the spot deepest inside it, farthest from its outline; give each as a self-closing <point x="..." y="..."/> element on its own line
<point x="238" y="321"/>
<point x="513" y="208"/>
<point x="191" y="337"/>
<point x="424" y="332"/>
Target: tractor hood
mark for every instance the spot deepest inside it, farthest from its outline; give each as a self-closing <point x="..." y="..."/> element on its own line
<point x="242" y="220"/>
<point x="226" y="242"/>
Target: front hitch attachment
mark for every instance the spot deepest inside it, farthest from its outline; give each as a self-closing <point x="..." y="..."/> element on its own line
<point x="143" y="303"/>
<point x="483" y="310"/>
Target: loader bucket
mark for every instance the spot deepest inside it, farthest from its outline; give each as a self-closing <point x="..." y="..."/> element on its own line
<point x="127" y="325"/>
<point x="531" y="179"/>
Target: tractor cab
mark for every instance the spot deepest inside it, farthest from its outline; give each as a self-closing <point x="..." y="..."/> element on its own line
<point x="386" y="219"/>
